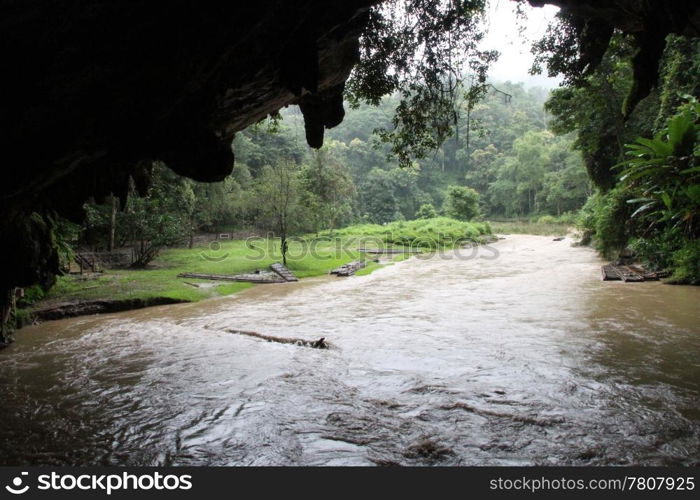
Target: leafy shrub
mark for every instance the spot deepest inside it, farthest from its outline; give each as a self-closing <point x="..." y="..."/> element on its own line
<point x="547" y="219"/>
<point x="462" y="203"/>
<point x="604" y="218"/>
<point x="686" y="262"/>
<point x="663" y="172"/>
<point x="656" y="252"/>
<point x="438" y="232"/>
<point x="426" y="211"/>
<point x="32" y="294"/>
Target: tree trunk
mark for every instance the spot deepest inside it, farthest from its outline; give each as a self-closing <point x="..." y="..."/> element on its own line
<point x="284" y="249"/>
<point x="112" y="224"/>
<point x="7" y="309"/>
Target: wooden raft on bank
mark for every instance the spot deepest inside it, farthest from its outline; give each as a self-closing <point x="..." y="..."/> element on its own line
<point x="278" y="274"/>
<point x="248" y="278"/>
<point x="633" y="274"/>
<point x="348" y="269"/>
<point x="283" y="272"/>
<point x="388" y="251"/>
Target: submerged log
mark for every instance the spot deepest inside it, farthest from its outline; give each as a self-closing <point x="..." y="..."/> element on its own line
<point x="314" y="344"/>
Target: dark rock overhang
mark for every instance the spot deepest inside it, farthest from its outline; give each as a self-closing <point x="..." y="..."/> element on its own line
<point x="93" y="88"/>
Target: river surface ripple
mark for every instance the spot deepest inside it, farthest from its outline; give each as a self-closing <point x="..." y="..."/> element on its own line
<point x="515" y="354"/>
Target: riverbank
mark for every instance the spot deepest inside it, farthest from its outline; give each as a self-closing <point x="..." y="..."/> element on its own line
<point x="312" y="255"/>
<point x="76" y="294"/>
<point x="534" y="228"/>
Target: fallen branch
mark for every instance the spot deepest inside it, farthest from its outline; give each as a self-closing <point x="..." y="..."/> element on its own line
<point x="314" y="344"/>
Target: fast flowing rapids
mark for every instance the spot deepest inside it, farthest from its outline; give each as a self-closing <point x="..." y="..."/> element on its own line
<point x="513" y="354"/>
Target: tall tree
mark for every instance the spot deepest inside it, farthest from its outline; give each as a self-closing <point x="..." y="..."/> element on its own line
<point x="421" y="49"/>
<point x="158" y="219"/>
<point x="328" y="191"/>
<point x="278" y="192"/>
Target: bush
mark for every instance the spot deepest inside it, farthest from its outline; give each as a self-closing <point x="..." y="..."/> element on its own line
<point x="438" y="232"/>
<point x="32" y="294"/>
<point x="656" y="252"/>
<point x="426" y="211"/>
<point x="462" y="203"/>
<point x="605" y="217"/>
<point x="567" y="218"/>
<point x="686" y="262"/>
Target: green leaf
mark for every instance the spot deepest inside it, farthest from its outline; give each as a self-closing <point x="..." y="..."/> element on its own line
<point x="678" y="127"/>
<point x="640" y="200"/>
<point x="666" y="198"/>
<point x="659" y="147"/>
<point x="643" y="209"/>
<point x="693" y="192"/>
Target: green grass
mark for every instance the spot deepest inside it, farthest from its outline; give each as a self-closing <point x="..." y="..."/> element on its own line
<point x="305" y="259"/>
<point x="131" y="284"/>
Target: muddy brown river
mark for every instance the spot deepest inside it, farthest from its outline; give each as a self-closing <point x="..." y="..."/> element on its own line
<point x="516" y="355"/>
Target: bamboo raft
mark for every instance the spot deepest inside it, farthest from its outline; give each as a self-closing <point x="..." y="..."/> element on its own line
<point x="348" y="269"/>
<point x="277" y="274"/>
<point x="387" y="251"/>
<point x="632" y="274"/>
<point x="283" y="272"/>
<point x="248" y="278"/>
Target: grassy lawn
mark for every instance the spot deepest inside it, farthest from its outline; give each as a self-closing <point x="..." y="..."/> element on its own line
<point x="304" y="259"/>
<point x="132" y="284"/>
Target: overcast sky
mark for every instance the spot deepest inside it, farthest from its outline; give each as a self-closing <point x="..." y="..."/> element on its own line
<point x="516" y="59"/>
